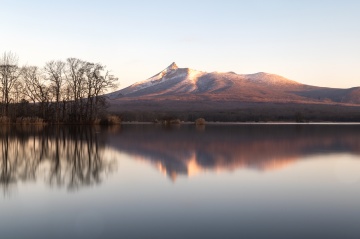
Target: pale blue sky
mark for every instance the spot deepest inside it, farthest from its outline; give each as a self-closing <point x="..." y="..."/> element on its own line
<point x="314" y="42"/>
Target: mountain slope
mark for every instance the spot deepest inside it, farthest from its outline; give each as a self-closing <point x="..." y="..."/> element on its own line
<point x="184" y="86"/>
<point x="179" y="81"/>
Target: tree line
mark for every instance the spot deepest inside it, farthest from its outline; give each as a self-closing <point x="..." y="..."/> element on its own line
<point x="69" y="91"/>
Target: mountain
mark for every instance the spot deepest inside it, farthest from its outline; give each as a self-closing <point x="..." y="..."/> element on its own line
<point x="174" y="82"/>
<point x="186" y="89"/>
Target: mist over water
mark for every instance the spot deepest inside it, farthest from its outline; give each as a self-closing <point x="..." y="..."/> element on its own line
<point x="150" y="181"/>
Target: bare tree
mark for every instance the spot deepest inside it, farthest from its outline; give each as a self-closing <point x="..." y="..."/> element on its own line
<point x="36" y="88"/>
<point x="56" y="73"/>
<point x="76" y="81"/>
<point x="9" y="76"/>
<point x="33" y="83"/>
<point x="76" y="86"/>
<point x="98" y="81"/>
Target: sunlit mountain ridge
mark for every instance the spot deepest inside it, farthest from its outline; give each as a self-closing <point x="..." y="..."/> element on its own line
<point x="185" y="84"/>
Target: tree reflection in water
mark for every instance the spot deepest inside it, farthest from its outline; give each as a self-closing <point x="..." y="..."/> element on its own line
<point x="64" y="156"/>
<point x="75" y="157"/>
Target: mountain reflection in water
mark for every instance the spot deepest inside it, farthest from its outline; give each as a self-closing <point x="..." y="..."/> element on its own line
<point x="185" y="150"/>
<point x="75" y="157"/>
<point x="124" y="195"/>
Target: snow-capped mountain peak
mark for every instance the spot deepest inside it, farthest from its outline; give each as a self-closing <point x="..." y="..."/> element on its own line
<point x="180" y="81"/>
<point x="170" y="68"/>
<point x="173" y="66"/>
<point x="175" y="87"/>
<point x="170" y="72"/>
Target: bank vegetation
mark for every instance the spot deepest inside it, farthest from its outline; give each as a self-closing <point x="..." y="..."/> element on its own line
<point x="69" y="91"/>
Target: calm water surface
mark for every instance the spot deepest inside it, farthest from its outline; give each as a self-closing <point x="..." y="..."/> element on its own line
<point x="146" y="181"/>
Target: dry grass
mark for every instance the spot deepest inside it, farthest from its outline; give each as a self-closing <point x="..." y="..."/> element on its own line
<point x="30" y="120"/>
<point x="4" y="120"/>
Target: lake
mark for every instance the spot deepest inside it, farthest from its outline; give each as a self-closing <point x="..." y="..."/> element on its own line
<point x="150" y="181"/>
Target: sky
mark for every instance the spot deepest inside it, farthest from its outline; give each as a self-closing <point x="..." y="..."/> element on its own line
<point x="314" y="42"/>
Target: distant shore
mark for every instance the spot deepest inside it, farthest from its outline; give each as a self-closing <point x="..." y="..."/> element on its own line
<point x="248" y="123"/>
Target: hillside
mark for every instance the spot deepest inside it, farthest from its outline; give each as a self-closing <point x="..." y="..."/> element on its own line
<point x="184" y="89"/>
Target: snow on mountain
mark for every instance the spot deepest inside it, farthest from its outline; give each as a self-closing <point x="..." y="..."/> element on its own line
<point x="175" y="80"/>
<point x="185" y="80"/>
<point x="156" y="79"/>
<point x="184" y="84"/>
<point x="270" y="79"/>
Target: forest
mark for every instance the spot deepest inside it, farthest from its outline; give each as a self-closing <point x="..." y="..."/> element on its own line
<point x="69" y="91"/>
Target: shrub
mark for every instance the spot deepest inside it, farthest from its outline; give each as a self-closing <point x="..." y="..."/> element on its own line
<point x="97" y="121"/>
<point x="175" y="121"/>
<point x="171" y="121"/>
<point x="200" y="121"/>
<point x="111" y="120"/>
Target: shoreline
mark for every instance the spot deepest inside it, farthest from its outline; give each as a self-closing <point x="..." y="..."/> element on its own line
<point x="245" y="123"/>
